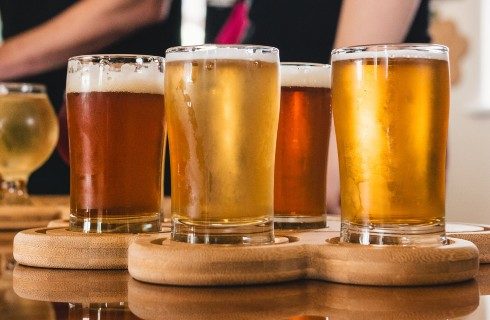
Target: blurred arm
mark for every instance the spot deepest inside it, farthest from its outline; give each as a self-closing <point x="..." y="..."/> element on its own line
<point x="374" y="21"/>
<point x="85" y="27"/>
<point x="365" y="22"/>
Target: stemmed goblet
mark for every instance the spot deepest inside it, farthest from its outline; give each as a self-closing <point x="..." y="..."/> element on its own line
<point x="28" y="134"/>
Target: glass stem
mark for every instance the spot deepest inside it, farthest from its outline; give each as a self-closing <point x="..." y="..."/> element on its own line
<point x="14" y="192"/>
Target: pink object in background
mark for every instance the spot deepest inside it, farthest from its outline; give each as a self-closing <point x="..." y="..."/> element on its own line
<point x="235" y="26"/>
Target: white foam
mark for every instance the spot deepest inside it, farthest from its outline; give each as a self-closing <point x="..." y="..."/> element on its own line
<point x="206" y="52"/>
<point x="95" y="77"/>
<point x="383" y="54"/>
<point x="316" y="76"/>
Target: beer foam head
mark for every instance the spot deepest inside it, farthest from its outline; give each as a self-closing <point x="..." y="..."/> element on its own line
<point x="408" y="51"/>
<point x="231" y="52"/>
<point x="142" y="75"/>
<point x="305" y="75"/>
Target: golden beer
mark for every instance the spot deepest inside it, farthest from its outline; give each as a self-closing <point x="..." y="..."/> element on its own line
<point x="116" y="125"/>
<point x="302" y="146"/>
<point x="222" y="106"/>
<point x="390" y="106"/>
<point x="29" y="132"/>
<point x="28" y="135"/>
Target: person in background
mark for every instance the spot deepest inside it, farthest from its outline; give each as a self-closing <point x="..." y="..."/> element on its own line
<point x="40" y="36"/>
<point x="308" y="30"/>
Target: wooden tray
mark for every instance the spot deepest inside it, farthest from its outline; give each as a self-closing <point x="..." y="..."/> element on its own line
<point x="300" y="255"/>
<point x="305" y="255"/>
<point x="61" y="248"/>
<point x="478" y="234"/>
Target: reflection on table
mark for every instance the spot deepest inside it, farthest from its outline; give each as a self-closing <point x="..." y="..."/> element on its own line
<point x="82" y="294"/>
<point x="292" y="299"/>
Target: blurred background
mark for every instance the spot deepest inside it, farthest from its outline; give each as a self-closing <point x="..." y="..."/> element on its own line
<point x="464" y="26"/>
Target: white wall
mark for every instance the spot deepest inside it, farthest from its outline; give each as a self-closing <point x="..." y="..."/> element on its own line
<point x="468" y="185"/>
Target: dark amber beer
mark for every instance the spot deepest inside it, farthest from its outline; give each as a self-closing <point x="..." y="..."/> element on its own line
<point x="222" y="106"/>
<point x="116" y="131"/>
<point x="302" y="146"/>
<point x="390" y="106"/>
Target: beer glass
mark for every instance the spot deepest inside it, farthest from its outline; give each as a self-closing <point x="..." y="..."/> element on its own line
<point x="302" y="146"/>
<point x="28" y="135"/>
<point x="222" y="106"/>
<point x="390" y="106"/>
<point x="116" y="131"/>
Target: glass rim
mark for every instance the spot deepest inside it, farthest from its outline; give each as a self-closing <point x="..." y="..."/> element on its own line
<point x="211" y="47"/>
<point x="126" y="57"/>
<point x="223" y="52"/>
<point x="305" y="74"/>
<point x="115" y="73"/>
<point x="305" y="64"/>
<point x="21" y="87"/>
<point x="416" y="50"/>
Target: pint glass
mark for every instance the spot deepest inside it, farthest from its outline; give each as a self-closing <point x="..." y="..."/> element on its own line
<point x="390" y="106"/>
<point x="222" y="106"/>
<point x="302" y="146"/>
<point x="116" y="135"/>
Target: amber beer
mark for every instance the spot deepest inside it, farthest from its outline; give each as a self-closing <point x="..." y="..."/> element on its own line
<point x="116" y="132"/>
<point x="302" y="146"/>
<point x="390" y="106"/>
<point x="222" y="106"/>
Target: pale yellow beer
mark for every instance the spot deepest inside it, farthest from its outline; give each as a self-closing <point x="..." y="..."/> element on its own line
<point x="222" y="107"/>
<point x="29" y="132"/>
<point x="390" y="106"/>
<point x="28" y="135"/>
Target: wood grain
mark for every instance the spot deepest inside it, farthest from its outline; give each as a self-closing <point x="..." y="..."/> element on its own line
<point x="61" y="248"/>
<point x="307" y="256"/>
<point x="480" y="238"/>
<point x="170" y="262"/>
<point x="394" y="265"/>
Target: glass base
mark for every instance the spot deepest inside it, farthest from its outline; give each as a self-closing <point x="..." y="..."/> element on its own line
<point x="300" y="222"/>
<point x="427" y="234"/>
<point x="259" y="232"/>
<point x="14" y="192"/>
<point x="116" y="225"/>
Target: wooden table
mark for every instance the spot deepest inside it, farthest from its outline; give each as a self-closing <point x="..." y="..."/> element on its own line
<point x="34" y="293"/>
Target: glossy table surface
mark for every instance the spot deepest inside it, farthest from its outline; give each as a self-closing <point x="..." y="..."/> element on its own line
<point x="35" y="293"/>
